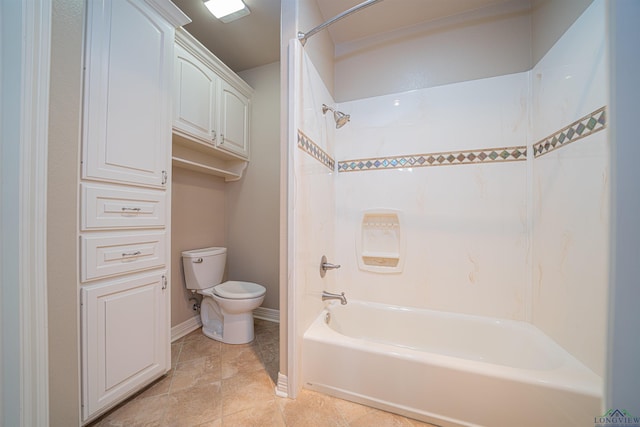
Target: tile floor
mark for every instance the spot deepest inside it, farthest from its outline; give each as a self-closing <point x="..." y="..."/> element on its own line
<point x="212" y="384"/>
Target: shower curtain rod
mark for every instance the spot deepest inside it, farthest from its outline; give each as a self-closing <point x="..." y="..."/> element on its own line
<point x="304" y="36"/>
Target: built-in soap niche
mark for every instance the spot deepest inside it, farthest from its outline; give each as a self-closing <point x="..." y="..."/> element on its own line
<point x="380" y="241"/>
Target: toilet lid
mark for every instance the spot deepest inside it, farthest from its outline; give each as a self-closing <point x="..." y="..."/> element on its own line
<point x="239" y="290"/>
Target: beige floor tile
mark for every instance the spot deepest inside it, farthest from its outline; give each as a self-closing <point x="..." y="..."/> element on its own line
<point x="245" y="390"/>
<point x="240" y="358"/>
<point x="192" y="373"/>
<point x="381" y="419"/>
<point x="176" y="348"/>
<point x="199" y="346"/>
<point x="137" y="413"/>
<point x="263" y="415"/>
<point x="214" y="423"/>
<point x="193" y="406"/>
<point x="311" y="409"/>
<point x="193" y="335"/>
<point x="157" y="388"/>
<point x="267" y="333"/>
<point x="272" y="369"/>
<point x="269" y="351"/>
<point x="351" y="411"/>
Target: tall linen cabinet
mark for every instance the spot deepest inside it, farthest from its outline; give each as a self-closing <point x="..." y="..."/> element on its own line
<point x="125" y="198"/>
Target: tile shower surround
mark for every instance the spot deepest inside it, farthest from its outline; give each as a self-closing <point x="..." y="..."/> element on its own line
<point x="581" y="128"/>
<point x="308" y="146"/>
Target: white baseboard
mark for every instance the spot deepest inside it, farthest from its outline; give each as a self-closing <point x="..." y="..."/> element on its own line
<point x="185" y="328"/>
<point x="269" y="314"/>
<point x="282" y="388"/>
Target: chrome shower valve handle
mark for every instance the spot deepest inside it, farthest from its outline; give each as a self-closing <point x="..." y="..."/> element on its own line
<point x="324" y="266"/>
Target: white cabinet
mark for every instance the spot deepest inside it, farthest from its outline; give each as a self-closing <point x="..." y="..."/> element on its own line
<point x="195" y="97"/>
<point x="234" y="121"/>
<point x="112" y="254"/>
<point x="129" y="57"/>
<point x="124" y="198"/>
<point x="124" y="335"/>
<point x="212" y="112"/>
<point x="108" y="206"/>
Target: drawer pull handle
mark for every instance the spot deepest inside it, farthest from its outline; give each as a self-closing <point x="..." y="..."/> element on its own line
<point x="197" y="261"/>
<point x="127" y="209"/>
<point x="130" y="254"/>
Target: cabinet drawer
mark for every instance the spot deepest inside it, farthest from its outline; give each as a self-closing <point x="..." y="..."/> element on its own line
<point x="111" y="207"/>
<point x="109" y="255"/>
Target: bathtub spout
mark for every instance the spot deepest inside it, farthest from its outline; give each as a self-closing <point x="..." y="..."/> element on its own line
<point x="328" y="295"/>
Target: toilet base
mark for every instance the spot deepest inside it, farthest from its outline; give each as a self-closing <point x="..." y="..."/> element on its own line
<point x="225" y="327"/>
<point x="237" y="329"/>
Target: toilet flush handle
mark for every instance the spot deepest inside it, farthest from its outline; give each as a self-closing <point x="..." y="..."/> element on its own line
<point x="197" y="261"/>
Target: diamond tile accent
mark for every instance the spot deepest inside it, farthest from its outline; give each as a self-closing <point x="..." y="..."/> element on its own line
<point x="583" y="127"/>
<point x="307" y="145"/>
<point x="491" y="155"/>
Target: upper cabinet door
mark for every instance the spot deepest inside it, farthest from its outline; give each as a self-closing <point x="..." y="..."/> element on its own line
<point x="195" y="97"/>
<point x="127" y="104"/>
<point x="234" y="121"/>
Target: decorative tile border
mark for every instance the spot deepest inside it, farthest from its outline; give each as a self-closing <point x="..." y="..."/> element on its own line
<point x="581" y="128"/>
<point x="489" y="155"/>
<point x="587" y="125"/>
<point x="306" y="144"/>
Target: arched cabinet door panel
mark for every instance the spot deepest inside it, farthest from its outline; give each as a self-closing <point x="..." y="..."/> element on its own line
<point x="127" y="104"/>
<point x="234" y="121"/>
<point x="196" y="88"/>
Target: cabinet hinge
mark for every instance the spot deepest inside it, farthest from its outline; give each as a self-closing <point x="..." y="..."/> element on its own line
<point x="164" y="177"/>
<point x="164" y="282"/>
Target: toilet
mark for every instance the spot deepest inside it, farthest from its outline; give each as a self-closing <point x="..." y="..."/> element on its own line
<point x="227" y="308"/>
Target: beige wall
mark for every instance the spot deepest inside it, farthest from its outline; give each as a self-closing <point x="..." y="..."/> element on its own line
<point x="253" y="203"/>
<point x="485" y="43"/>
<point x="62" y="214"/>
<point x="197" y="221"/>
<point x="320" y="47"/>
<point x="550" y="19"/>
<point x="493" y="41"/>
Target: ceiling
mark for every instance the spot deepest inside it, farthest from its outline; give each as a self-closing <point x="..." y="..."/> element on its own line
<point x="243" y="44"/>
<point x="255" y="39"/>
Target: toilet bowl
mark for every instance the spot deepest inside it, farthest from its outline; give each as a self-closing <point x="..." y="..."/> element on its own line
<point x="227" y="308"/>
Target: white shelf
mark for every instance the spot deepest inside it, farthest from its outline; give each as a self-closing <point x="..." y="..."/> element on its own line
<point x="198" y="167"/>
<point x="206" y="158"/>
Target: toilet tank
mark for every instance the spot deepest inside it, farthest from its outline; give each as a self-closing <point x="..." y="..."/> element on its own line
<point x="203" y="268"/>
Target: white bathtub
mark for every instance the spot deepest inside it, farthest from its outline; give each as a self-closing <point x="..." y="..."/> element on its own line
<point x="448" y="369"/>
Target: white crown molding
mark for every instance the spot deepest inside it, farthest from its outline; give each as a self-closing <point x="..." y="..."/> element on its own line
<point x="170" y="12"/>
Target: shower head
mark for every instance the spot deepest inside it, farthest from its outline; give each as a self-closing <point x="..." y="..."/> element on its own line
<point x="340" y="117"/>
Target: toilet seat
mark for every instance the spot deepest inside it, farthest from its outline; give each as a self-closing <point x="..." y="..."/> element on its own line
<point x="238" y="290"/>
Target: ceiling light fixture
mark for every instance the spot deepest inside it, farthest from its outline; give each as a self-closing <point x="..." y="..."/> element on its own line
<point x="227" y="10"/>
